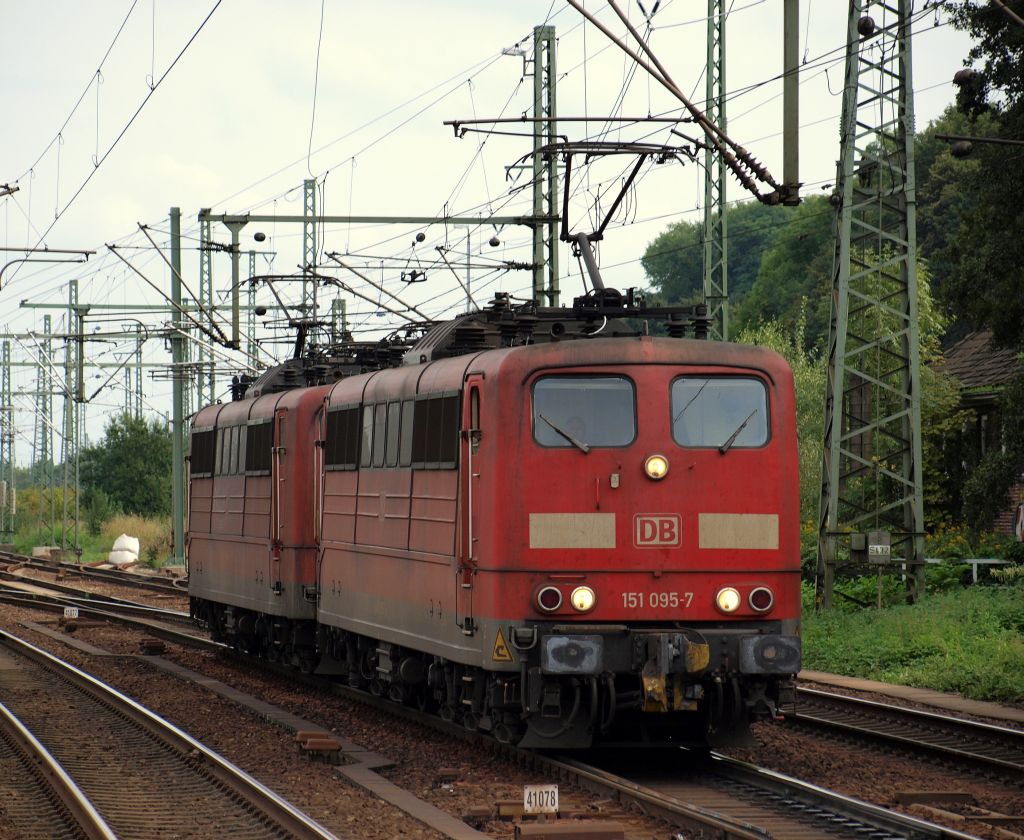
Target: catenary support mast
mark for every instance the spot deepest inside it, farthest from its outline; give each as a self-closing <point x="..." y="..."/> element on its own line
<point x="205" y="385"/>
<point x="179" y="375"/>
<point x="6" y="444"/>
<point x="545" y="168"/>
<point x="716" y="266"/>
<point x="871" y="482"/>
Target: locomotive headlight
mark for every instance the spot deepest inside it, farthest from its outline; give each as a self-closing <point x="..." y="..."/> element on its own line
<point x="728" y="599"/>
<point x="656" y="467"/>
<point x="583" y="599"/>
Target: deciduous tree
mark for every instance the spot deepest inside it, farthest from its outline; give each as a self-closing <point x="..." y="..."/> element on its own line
<point x="989" y="247"/>
<point x="131" y="465"/>
<point x="674" y="262"/>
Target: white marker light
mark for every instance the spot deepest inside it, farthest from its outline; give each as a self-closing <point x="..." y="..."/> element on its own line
<point x="583" y="598"/>
<point x="728" y="599"/>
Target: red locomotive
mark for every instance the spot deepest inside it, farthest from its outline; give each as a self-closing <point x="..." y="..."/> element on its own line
<point x="543" y="523"/>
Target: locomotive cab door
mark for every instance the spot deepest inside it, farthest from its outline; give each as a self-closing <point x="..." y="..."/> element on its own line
<point x="278" y="491"/>
<point x="319" y="465"/>
<point x="466" y="558"/>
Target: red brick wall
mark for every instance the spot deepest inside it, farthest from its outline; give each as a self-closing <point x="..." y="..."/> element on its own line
<point x="1004" y="522"/>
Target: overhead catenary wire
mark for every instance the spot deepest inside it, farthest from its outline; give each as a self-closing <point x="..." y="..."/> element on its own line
<point x="98" y="273"/>
<point x="316" y="83"/>
<point x="375" y="285"/>
<point x="124" y="130"/>
<point x="88" y="87"/>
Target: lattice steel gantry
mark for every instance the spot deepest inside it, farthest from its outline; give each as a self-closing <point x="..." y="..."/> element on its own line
<point x="545" y="169"/>
<point x="7" y="503"/>
<point x="716" y="266"/>
<point x="871" y="481"/>
<point x="205" y="376"/>
<point x="42" y="439"/>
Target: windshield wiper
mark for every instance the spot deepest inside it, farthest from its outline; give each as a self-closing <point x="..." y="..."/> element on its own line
<point x="732" y="438"/>
<point x="690" y="401"/>
<point x="580" y="445"/>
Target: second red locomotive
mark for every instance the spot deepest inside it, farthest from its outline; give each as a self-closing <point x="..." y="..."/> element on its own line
<point x="543" y="523"/>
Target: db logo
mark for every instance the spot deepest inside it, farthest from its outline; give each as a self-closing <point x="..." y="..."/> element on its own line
<point x="657" y="529"/>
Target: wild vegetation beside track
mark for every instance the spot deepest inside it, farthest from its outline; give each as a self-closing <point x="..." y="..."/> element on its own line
<point x="153" y="533"/>
<point x="968" y="640"/>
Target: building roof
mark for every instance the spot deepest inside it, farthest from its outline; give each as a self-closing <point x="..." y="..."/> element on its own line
<point x="976" y="363"/>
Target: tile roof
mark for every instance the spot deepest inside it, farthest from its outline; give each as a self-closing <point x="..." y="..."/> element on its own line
<point x="977" y="364"/>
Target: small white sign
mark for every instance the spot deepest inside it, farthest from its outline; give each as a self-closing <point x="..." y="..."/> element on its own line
<point x="879" y="550"/>
<point x="540" y="799"/>
<point x="70" y="612"/>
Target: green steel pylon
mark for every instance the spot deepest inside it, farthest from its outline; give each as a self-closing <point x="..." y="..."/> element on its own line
<point x="545" y="169"/>
<point x="7" y="508"/>
<point x="250" y="323"/>
<point x="871" y="481"/>
<point x="42" y="441"/>
<point x="73" y="396"/>
<point x="716" y="274"/>
<point x="309" y="251"/>
<point x="205" y="376"/>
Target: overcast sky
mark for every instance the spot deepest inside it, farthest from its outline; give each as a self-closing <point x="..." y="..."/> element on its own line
<point x="234" y="125"/>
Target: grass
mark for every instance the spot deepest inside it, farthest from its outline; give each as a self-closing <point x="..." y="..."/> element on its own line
<point x="154" y="535"/>
<point x="969" y="641"/>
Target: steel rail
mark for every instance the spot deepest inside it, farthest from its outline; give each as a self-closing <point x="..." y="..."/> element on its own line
<point x="846" y="806"/>
<point x="49" y="772"/>
<point x="282" y="812"/>
<point x="861" y="817"/>
<point x="74" y="593"/>
<point x="95" y="610"/>
<point x="653" y="802"/>
<point x="985" y="746"/>
<point x="155" y="584"/>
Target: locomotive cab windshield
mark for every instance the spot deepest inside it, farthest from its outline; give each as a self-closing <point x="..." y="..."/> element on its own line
<point x="708" y="412"/>
<point x="596" y="411"/>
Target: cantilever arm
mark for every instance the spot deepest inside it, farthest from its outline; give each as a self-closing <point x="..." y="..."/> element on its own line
<point x="30" y="259"/>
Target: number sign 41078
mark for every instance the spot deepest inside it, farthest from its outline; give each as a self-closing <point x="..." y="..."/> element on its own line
<point x="540" y="799"/>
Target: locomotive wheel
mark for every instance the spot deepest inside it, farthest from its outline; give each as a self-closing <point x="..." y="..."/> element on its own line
<point x="424" y="701"/>
<point x="368" y="666"/>
<point x="506" y="734"/>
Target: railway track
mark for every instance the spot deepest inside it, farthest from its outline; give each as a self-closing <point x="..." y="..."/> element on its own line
<point x="701" y="793"/>
<point x="151" y="583"/>
<point x="167" y="625"/>
<point x="13" y="575"/>
<point x="734" y="799"/>
<point x="39" y="800"/>
<point x="708" y="794"/>
<point x="994" y="751"/>
<point x="48" y="597"/>
<point x="144" y="776"/>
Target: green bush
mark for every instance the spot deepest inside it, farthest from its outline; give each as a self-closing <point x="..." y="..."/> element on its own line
<point x="97" y="510"/>
<point x="1014" y="552"/>
<point x="969" y="641"/>
<point x="1008" y="575"/>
